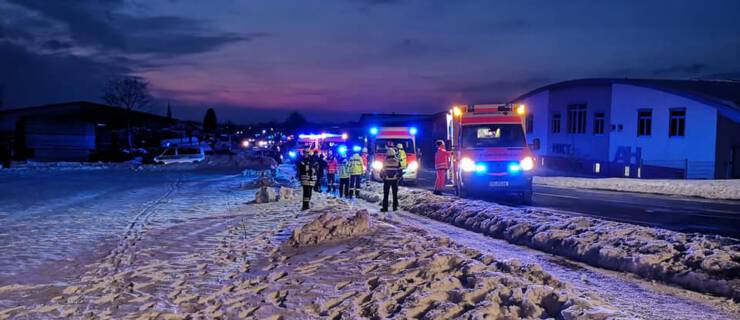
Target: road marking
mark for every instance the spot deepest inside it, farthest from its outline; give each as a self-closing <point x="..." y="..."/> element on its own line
<point x="556" y="195"/>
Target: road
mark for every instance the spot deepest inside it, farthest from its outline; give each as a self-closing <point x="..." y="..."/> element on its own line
<point x="663" y="211"/>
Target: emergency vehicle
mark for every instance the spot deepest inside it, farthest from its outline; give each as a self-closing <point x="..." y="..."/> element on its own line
<point x="383" y="138"/>
<point x="489" y="150"/>
<point x="322" y="143"/>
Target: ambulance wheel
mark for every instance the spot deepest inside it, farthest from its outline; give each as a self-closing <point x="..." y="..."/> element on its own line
<point x="527" y="197"/>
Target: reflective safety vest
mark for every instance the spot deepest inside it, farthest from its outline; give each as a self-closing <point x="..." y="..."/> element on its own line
<point x="355" y="165"/>
<point x="307" y="172"/>
<point x="391" y="169"/>
<point x="331" y="166"/>
<point x="402" y="158"/>
<point x="442" y="159"/>
<point x="344" y="170"/>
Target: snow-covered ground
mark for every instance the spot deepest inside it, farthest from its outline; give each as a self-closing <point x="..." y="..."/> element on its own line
<point x="201" y="249"/>
<point x="698" y="262"/>
<point x="710" y="189"/>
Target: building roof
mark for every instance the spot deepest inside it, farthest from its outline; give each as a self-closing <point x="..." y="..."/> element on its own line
<point x="721" y="94"/>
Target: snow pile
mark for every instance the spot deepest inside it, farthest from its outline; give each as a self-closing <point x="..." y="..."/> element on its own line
<point x="710" y="189"/>
<point x="328" y="227"/>
<point x="698" y="262"/>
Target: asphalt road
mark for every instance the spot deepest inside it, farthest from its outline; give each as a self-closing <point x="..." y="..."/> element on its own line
<point x="669" y="212"/>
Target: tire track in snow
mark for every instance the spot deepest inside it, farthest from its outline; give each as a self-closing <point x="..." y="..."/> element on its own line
<point x="126" y="245"/>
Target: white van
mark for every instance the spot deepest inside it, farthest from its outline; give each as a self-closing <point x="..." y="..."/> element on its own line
<point x="181" y="154"/>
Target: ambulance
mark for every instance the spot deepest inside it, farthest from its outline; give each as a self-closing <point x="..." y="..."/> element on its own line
<point x="382" y="138"/>
<point x="489" y="150"/>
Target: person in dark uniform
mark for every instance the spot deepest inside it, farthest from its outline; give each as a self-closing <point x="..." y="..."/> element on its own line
<point x="307" y="175"/>
<point x="320" y="168"/>
<point x="390" y="174"/>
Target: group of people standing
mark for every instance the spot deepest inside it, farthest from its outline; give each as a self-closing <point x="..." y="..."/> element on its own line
<point x="312" y="166"/>
<point x="350" y="170"/>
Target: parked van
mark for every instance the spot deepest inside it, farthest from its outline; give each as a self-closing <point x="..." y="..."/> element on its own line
<point x="181" y="154"/>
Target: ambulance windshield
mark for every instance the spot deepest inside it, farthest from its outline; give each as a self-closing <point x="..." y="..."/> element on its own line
<point x="493" y="135"/>
<point x="381" y="145"/>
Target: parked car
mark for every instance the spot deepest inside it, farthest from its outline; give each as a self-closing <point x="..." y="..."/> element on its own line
<point x="181" y="154"/>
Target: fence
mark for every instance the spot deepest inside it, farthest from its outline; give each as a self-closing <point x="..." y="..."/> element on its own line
<point x="646" y="169"/>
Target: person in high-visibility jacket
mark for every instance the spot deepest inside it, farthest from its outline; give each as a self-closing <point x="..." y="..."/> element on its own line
<point x="364" y="156"/>
<point x="307" y="174"/>
<point x="441" y="164"/>
<point x="356" y="171"/>
<point x="390" y="174"/>
<point x="403" y="161"/>
<point x="344" y="176"/>
<point x="331" y="172"/>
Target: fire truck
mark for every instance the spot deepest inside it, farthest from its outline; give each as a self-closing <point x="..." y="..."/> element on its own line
<point x="383" y="138"/>
<point x="490" y="151"/>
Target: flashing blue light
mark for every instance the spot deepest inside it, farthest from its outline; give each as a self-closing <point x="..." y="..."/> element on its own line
<point x="374" y="130"/>
<point x="480" y="168"/>
<point x="342" y="149"/>
<point x="514" y="168"/>
<point x="413" y="131"/>
<point x="292" y="154"/>
<point x="356" y="148"/>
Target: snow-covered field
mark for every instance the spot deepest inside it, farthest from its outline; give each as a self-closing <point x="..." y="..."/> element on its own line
<point x="710" y="189"/>
<point x="182" y="243"/>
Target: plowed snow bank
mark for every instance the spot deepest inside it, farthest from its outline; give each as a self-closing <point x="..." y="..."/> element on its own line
<point x="710" y="189"/>
<point x="698" y="262"/>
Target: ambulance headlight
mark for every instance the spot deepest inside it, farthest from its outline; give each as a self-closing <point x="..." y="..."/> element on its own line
<point x="467" y="165"/>
<point x="413" y="166"/>
<point x="526" y="164"/>
<point x="377" y="165"/>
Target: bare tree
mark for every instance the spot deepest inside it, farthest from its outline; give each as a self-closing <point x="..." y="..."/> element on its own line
<point x="130" y="93"/>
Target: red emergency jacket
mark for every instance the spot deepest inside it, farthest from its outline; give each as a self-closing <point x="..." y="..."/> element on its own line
<point x="442" y="159"/>
<point x="331" y="166"/>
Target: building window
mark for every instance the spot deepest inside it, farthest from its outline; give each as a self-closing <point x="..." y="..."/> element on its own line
<point x="577" y="118"/>
<point x="677" y="125"/>
<point x="599" y="123"/>
<point x="529" y="123"/>
<point x="644" y="122"/>
<point x="556" y="123"/>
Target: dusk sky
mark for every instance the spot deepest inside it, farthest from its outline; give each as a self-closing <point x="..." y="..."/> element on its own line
<point x="332" y="59"/>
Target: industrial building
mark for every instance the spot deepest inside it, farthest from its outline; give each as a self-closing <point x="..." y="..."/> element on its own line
<point x="636" y="128"/>
<point x="73" y="131"/>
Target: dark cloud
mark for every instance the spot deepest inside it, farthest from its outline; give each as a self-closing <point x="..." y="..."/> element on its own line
<point x="33" y="79"/>
<point x="101" y="24"/>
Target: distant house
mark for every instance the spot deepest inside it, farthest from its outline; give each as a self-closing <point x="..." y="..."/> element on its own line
<point x="637" y="127"/>
<point x="73" y="131"/>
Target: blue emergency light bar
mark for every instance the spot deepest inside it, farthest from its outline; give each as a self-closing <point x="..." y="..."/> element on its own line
<point x="292" y="154"/>
<point x="356" y="148"/>
<point x="374" y="130"/>
<point x="413" y="131"/>
<point x="342" y="149"/>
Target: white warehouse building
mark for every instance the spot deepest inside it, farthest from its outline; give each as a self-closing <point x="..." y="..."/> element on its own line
<point x="636" y="128"/>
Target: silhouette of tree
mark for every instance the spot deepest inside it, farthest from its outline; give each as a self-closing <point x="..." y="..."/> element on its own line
<point x="295" y="120"/>
<point x="209" y="121"/>
<point x="130" y="93"/>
